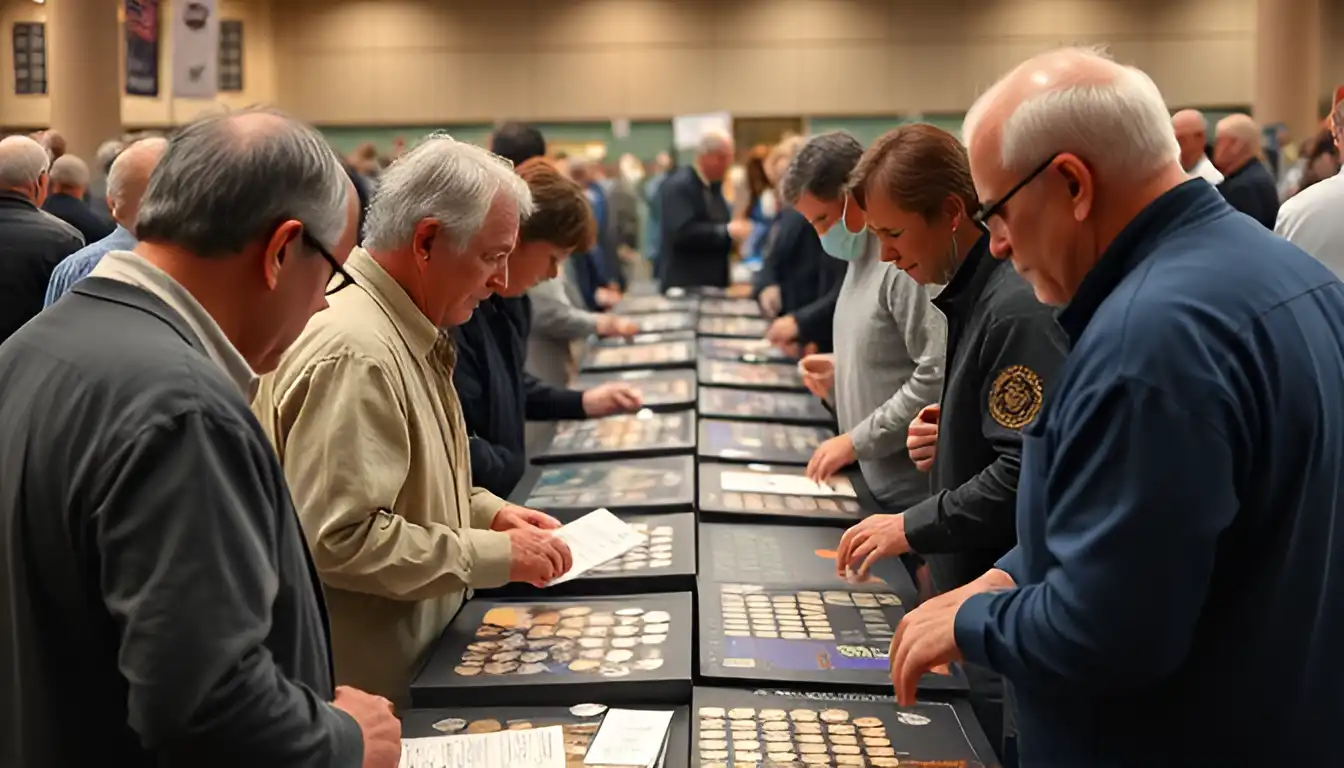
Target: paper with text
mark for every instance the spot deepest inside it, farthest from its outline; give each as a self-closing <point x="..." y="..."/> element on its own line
<point x="790" y="485"/>
<point x="594" y="539"/>
<point x="537" y="748"/>
<point x="630" y="737"/>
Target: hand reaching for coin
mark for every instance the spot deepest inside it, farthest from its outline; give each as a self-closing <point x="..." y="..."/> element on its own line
<point x="377" y="724"/>
<point x="537" y="556"/>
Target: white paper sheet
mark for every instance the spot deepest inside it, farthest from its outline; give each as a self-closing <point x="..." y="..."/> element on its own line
<point x="537" y="748"/>
<point x="630" y="737"/>
<point x="791" y="485"/>
<point x="594" y="539"/>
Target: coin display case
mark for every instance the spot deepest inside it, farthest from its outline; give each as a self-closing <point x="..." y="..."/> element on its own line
<point x="633" y="486"/>
<point x="649" y="305"/>
<point x="558" y="651"/>
<point x="730" y="307"/>
<point x="745" y="350"/>
<point x="734" y="327"/>
<point x="671" y="389"/>
<point x="580" y="723"/>
<point x="646" y="433"/>
<point x="758" y="441"/>
<point x="755" y="405"/>
<point x="735" y="727"/>
<point x="663" y="322"/>
<point x="665" y="354"/>
<point x="641" y="338"/>
<point x="772" y="376"/>
<point x="764" y="493"/>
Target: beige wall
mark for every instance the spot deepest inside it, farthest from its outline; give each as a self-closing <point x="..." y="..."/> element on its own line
<point x="137" y="111"/>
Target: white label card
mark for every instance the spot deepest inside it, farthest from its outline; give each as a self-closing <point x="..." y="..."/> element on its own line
<point x="537" y="748"/>
<point x="629" y="737"/>
<point x="788" y="485"/>
<point x="594" y="539"/>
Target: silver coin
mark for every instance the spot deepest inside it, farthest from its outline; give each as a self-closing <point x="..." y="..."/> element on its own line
<point x="625" y="631"/>
<point x="624" y="642"/>
<point x="657" y="617"/>
<point x="587" y="710"/>
<point x="450" y="725"/>
<point x="648" y="665"/>
<point x="653" y="639"/>
<point x="619" y="655"/>
<point x="614" y="671"/>
<point x="656" y="629"/>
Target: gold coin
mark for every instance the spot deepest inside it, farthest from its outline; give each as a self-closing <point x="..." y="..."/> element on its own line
<point x="750" y="745"/>
<point x="884" y="762"/>
<point x="777" y="746"/>
<point x="484" y="726"/>
<point x="880" y="752"/>
<point x="713" y="723"/>
<point x="775" y="725"/>
<point x="776" y="736"/>
<point x="467" y="671"/>
<point x="750" y="758"/>
<point x="783" y="757"/>
<point x="519" y="725"/>
<point x="868" y="722"/>
<point x="503" y="656"/>
<point x="773" y="714"/>
<point x="843" y="730"/>
<point x="835" y="739"/>
<point x="741" y="713"/>
<point x="549" y="617"/>
<point x="874" y="741"/>
<point x="569" y="632"/>
<point x="803" y="716"/>
<point x="741" y="725"/>
<point x="577" y="610"/>
<point x="575" y="623"/>
<point x="849" y="760"/>
<point x="807" y="728"/>
<point x="816" y="759"/>
<point x="714" y="744"/>
<point x="812" y="749"/>
<point x="810" y="738"/>
<point x="584" y="665"/>
<point x="713" y="755"/>
<point x="501" y="667"/>
<point x="834" y="716"/>
<point x="601" y="620"/>
<point x="844" y="749"/>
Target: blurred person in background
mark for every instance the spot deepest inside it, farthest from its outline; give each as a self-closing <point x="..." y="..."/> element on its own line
<point x="889" y="339"/>
<point x="698" y="230"/>
<point x="102" y="160"/>
<point x="127" y="181"/>
<point x="497" y="392"/>
<point x="364" y="159"/>
<point x="52" y="141"/>
<point x="370" y="431"/>
<point x="621" y="186"/>
<point x="151" y="564"/>
<point x="596" y="272"/>
<point x="653" y="224"/>
<point x="65" y="199"/>
<point x="757" y="205"/>
<point x="1312" y="219"/>
<point x="34" y="241"/>
<point x="1192" y="134"/>
<point x="1248" y="185"/>
<point x="517" y="142"/>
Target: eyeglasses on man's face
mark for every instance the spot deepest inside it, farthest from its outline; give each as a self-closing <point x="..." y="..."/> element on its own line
<point x="339" y="277"/>
<point x="994" y="207"/>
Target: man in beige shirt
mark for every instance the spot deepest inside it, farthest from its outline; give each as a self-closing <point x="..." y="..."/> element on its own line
<point x="369" y="429"/>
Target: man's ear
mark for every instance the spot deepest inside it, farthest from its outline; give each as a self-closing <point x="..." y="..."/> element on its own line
<point x="276" y="247"/>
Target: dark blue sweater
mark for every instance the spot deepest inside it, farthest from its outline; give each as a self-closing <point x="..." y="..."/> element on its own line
<point x="1180" y="564"/>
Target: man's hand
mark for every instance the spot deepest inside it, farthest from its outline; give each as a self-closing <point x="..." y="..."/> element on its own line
<point x="738" y="291"/>
<point x="607" y="296"/>
<point x="611" y="398"/>
<point x="771" y="300"/>
<point x="784" y="330"/>
<point x="538" y="557"/>
<point x="831" y="457"/>
<point x="512" y="516"/>
<point x="615" y="325"/>
<point x="926" y="637"/>
<point x="922" y="439"/>
<point x="878" y="536"/>
<point x="739" y="229"/>
<point x="379" y="726"/>
<point x="818" y="374"/>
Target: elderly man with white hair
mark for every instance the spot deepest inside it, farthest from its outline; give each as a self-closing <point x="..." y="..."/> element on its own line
<point x="65" y="199"/>
<point x="698" y="230"/>
<point x="126" y="184"/>
<point x="35" y="241"/>
<point x="1180" y="559"/>
<point x="1247" y="184"/>
<point x="365" y="419"/>
<point x="1192" y="131"/>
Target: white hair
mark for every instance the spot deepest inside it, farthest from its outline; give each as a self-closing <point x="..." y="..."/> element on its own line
<point x="22" y="161"/>
<point x="130" y="172"/>
<point x="1120" y="125"/>
<point x="69" y="171"/>
<point x="107" y="154"/>
<point x="715" y="142"/>
<point x="449" y="181"/>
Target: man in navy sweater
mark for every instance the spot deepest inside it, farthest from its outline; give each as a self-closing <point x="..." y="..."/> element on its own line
<point x="1177" y="593"/>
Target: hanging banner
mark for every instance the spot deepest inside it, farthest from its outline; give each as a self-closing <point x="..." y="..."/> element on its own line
<point x="195" y="44"/>
<point x="142" y="47"/>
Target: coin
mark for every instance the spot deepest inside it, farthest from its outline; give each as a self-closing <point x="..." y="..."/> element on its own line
<point x="749" y="758"/>
<point x="884" y="762"/>
<point x="614" y="671"/>
<point x="593" y="653"/>
<point x="873" y="741"/>
<point x="849" y="760"/>
<point x="533" y="656"/>
<point x="549" y="617"/>
<point x="619" y="655"/>
<point x="587" y="710"/>
<point x="741" y="713"/>
<point x="910" y="718"/>
<point x="450" y="725"/>
<point x="811" y="749"/>
<point x="713" y="744"/>
<point x="807" y="728"/>
<point x="569" y="632"/>
<point x="881" y="752"/>
<point x="531" y="669"/>
<point x="466" y="671"/>
<point x="503" y="656"/>
<point x="660" y="563"/>
<point x="601" y="620"/>
<point x="519" y="725"/>
<point x="775" y="725"/>
<point x="841" y="730"/>
<point x="847" y="740"/>
<point x="501" y="668"/>
<point x="749" y="744"/>
<point x="653" y="639"/>
<point x="803" y="715"/>
<point x="630" y="612"/>
<point x="655" y="629"/>
<point x="577" y="610"/>
<point x="709" y="754"/>
<point x="810" y="738"/>
<point x="648" y="665"/>
<point x="834" y="716"/>
<point x="657" y="617"/>
<point x="624" y="642"/>
<point x="484" y="726"/>
<point x="583" y="665"/>
<point x="711" y="712"/>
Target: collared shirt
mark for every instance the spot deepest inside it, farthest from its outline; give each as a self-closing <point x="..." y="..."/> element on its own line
<point x="127" y="267"/>
<point x="1311" y="220"/>
<point x="79" y="264"/>
<point x="366" y="422"/>
<point x="1205" y="170"/>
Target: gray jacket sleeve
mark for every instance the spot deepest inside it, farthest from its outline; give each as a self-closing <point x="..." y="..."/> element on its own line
<point x="924" y="330"/>
<point x="188" y="536"/>
<point x="554" y="317"/>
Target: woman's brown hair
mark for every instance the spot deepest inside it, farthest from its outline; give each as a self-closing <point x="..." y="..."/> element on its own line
<point x="562" y="217"/>
<point x="919" y="167"/>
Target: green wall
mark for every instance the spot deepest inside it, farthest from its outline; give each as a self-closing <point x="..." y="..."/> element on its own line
<point x="646" y="138"/>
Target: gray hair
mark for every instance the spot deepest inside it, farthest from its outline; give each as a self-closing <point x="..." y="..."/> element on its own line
<point x="107" y="154"/>
<point x="226" y="180"/>
<point x="715" y="142"/>
<point x="131" y="169"/>
<point x="69" y="171"/>
<point x="22" y="161"/>
<point x="822" y="167"/>
<point x="449" y="181"/>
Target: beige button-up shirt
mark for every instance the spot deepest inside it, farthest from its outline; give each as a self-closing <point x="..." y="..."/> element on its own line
<point x="363" y="414"/>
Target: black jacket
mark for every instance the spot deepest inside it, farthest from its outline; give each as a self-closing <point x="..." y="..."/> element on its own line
<point x="1003" y="350"/>
<point x="808" y="279"/>
<point x="33" y="243"/>
<point x="1251" y="190"/>
<point x="497" y="393"/>
<point x="695" y="237"/>
<point x="79" y="215"/>
<point x="152" y="569"/>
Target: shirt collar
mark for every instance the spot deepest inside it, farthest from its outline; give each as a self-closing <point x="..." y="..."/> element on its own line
<point x="416" y="330"/>
<point x="127" y="267"/>
<point x="969" y="277"/>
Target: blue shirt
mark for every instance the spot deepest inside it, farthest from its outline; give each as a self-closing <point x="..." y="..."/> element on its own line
<point x="79" y="264"/>
<point x="1180" y="564"/>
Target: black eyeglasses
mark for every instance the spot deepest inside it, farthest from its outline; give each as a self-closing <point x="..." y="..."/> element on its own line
<point x="991" y="208"/>
<point x="339" y="277"/>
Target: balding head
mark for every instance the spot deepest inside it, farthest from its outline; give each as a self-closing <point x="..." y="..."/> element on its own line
<point x="1068" y="148"/>
<point x="54" y="142"/>
<point x="1191" y="131"/>
<point x="715" y="155"/>
<point x="1236" y="142"/>
<point x="69" y="176"/>
<point x="23" y="167"/>
<point x="129" y="177"/>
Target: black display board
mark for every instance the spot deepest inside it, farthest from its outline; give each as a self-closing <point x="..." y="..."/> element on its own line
<point x="734" y="727"/>
<point x="736" y="327"/>
<point x="630" y="435"/>
<point x="633" y="486"/>
<point x="670" y="389"/>
<point x="663" y="354"/>
<point x="733" y="505"/>
<point x="751" y="350"/>
<point x="641" y="338"/>
<point x="755" y="405"/>
<point x="580" y="723"/>
<point x="730" y="307"/>
<point x="665" y="562"/>
<point x="782" y="377"/>
<point x="230" y="55"/>
<point x="562" y="651"/>
<point x="663" y="322"/>
<point x="648" y="305"/>
<point x="30" y="57"/>
<point x="731" y="440"/>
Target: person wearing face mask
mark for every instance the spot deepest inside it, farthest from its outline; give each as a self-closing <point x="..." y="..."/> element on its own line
<point x="1004" y="348"/>
<point x="496" y="390"/>
<point x="889" y="340"/>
